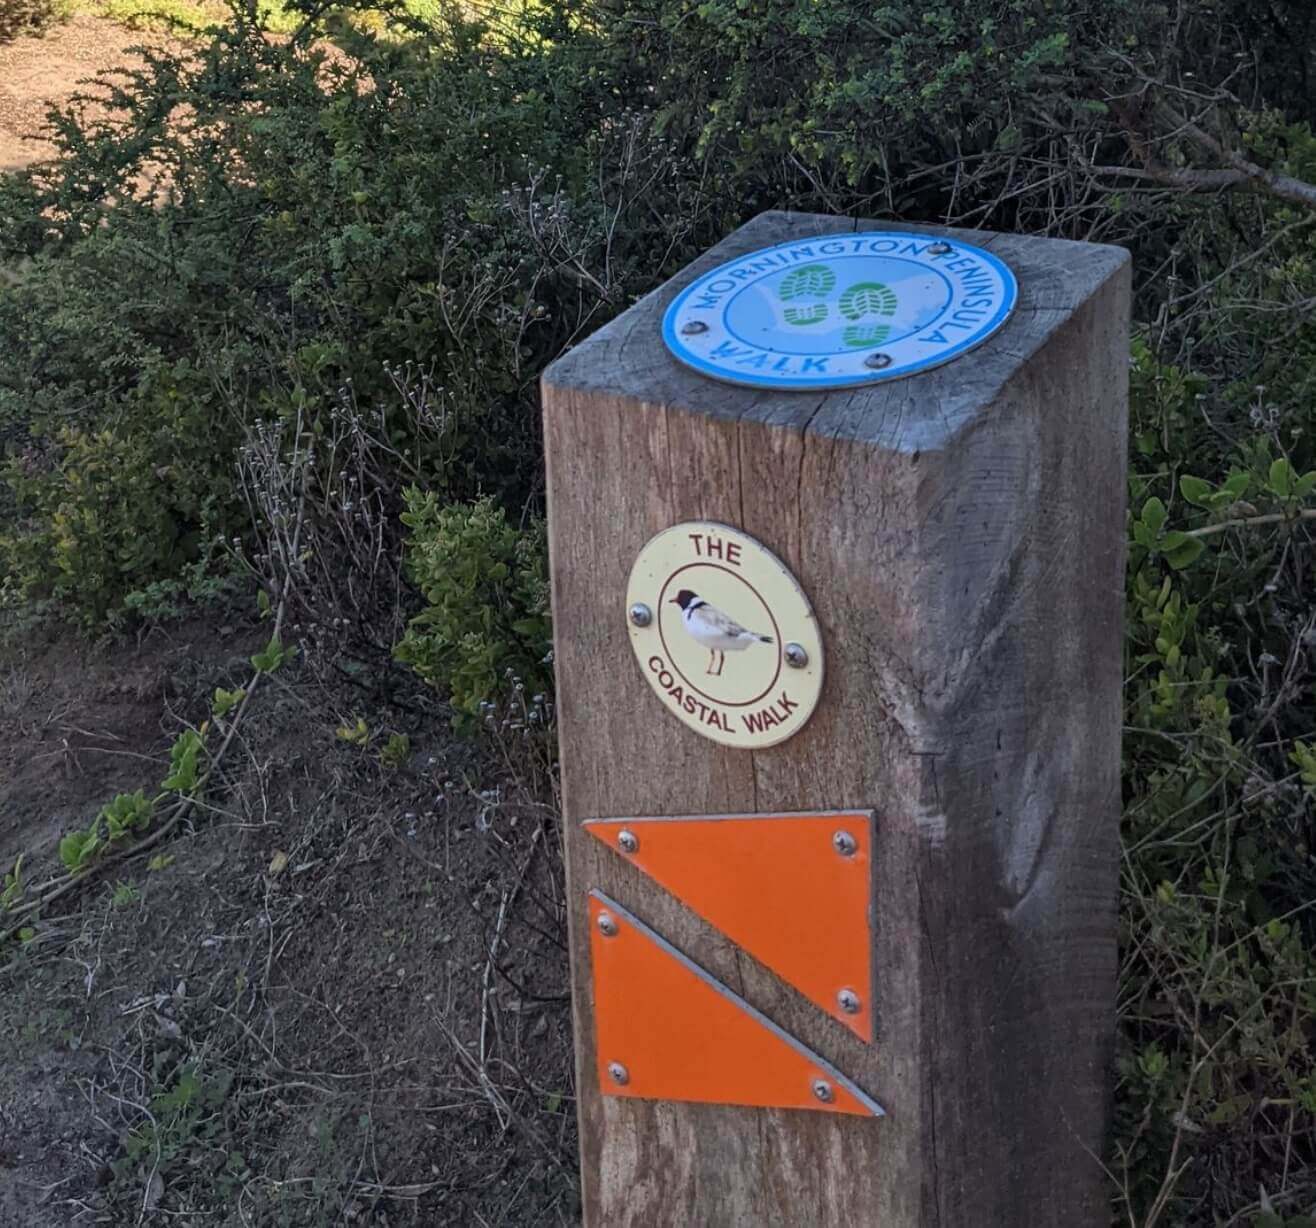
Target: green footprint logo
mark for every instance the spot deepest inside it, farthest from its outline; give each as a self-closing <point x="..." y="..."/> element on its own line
<point x="868" y="298"/>
<point x="815" y="313"/>
<point x="808" y="281"/>
<point x="862" y="303"/>
<point x="865" y="335"/>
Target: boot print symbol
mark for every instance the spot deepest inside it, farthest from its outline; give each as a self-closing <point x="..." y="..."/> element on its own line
<point x="808" y="290"/>
<point x="863" y="304"/>
<point x="812" y="281"/>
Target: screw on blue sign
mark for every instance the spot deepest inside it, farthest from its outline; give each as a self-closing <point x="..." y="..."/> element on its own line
<point x="840" y="310"/>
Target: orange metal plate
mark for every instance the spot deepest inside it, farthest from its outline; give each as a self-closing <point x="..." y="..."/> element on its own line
<point x="778" y="887"/>
<point x="666" y="1030"/>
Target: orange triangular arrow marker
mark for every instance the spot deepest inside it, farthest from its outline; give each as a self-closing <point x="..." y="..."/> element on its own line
<point x="793" y="890"/>
<point x="666" y="1030"/>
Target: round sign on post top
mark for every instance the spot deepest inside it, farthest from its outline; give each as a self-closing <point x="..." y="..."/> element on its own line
<point x="724" y="635"/>
<point x="840" y="310"/>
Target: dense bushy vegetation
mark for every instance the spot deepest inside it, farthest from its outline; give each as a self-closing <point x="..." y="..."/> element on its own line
<point x="486" y="615"/>
<point x="273" y="228"/>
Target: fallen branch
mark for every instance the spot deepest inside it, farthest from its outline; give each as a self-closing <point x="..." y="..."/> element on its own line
<point x="1238" y="171"/>
<point x="1283" y="186"/>
<point x="1249" y="522"/>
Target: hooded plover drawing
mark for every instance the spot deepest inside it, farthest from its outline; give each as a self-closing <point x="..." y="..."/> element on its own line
<point x="717" y="632"/>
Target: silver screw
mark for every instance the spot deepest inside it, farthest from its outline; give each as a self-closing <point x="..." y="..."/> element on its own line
<point x="607" y="926"/>
<point x="641" y="615"/>
<point x="848" y="1001"/>
<point x="939" y="249"/>
<point x="845" y="844"/>
<point x="692" y="328"/>
<point x="628" y="841"/>
<point x="618" y="1074"/>
<point x="796" y="656"/>
<point x="822" y="1090"/>
<point x="876" y="361"/>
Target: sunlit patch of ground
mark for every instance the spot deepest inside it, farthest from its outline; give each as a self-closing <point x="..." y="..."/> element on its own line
<point x="38" y="73"/>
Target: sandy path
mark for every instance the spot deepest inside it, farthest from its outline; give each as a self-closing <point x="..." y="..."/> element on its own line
<point x="38" y="72"/>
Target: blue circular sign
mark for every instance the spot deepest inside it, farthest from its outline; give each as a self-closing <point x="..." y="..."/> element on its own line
<point x="840" y="310"/>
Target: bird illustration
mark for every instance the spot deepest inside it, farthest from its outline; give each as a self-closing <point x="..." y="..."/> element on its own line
<point x="717" y="632"/>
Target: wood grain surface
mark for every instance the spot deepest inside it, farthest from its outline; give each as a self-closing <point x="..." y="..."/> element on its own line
<point x="960" y="533"/>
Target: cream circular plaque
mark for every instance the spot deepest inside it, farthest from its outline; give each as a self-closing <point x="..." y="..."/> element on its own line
<point x="724" y="635"/>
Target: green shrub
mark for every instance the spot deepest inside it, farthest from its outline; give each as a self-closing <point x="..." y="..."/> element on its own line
<point x="325" y="222"/>
<point x="936" y="108"/>
<point x="843" y="93"/>
<point x="1217" y="1072"/>
<point x="173" y="15"/>
<point x="485" y="630"/>
<point x="99" y="516"/>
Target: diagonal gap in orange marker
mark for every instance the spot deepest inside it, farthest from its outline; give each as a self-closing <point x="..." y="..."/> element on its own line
<point x="793" y="890"/>
<point x="667" y="1030"/>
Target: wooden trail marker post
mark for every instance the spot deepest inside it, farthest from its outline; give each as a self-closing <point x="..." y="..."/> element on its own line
<point x="957" y="535"/>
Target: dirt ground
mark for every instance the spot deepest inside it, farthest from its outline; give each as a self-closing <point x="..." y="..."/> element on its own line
<point x="36" y="73"/>
<point x="336" y="994"/>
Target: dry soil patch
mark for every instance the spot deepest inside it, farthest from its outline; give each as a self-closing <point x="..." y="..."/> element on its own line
<point x="338" y="996"/>
<point x="38" y="73"/>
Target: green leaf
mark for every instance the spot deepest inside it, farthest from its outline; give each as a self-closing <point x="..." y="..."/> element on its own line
<point x="358" y="734"/>
<point x="226" y="701"/>
<point x="1153" y="514"/>
<point x="263" y="603"/>
<point x="1196" y="490"/>
<point x="1281" y="478"/>
<point x="272" y="656"/>
<point x="396" y="751"/>
<point x="1179" y="549"/>
<point x="13" y="891"/>
<point x="1153" y="1062"/>
<point x="77" y="849"/>
<point x="1236" y="485"/>
<point x="183" y="756"/>
<point x="128" y="812"/>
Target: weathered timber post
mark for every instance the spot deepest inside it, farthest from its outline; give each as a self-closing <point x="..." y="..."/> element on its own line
<point x="804" y="894"/>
